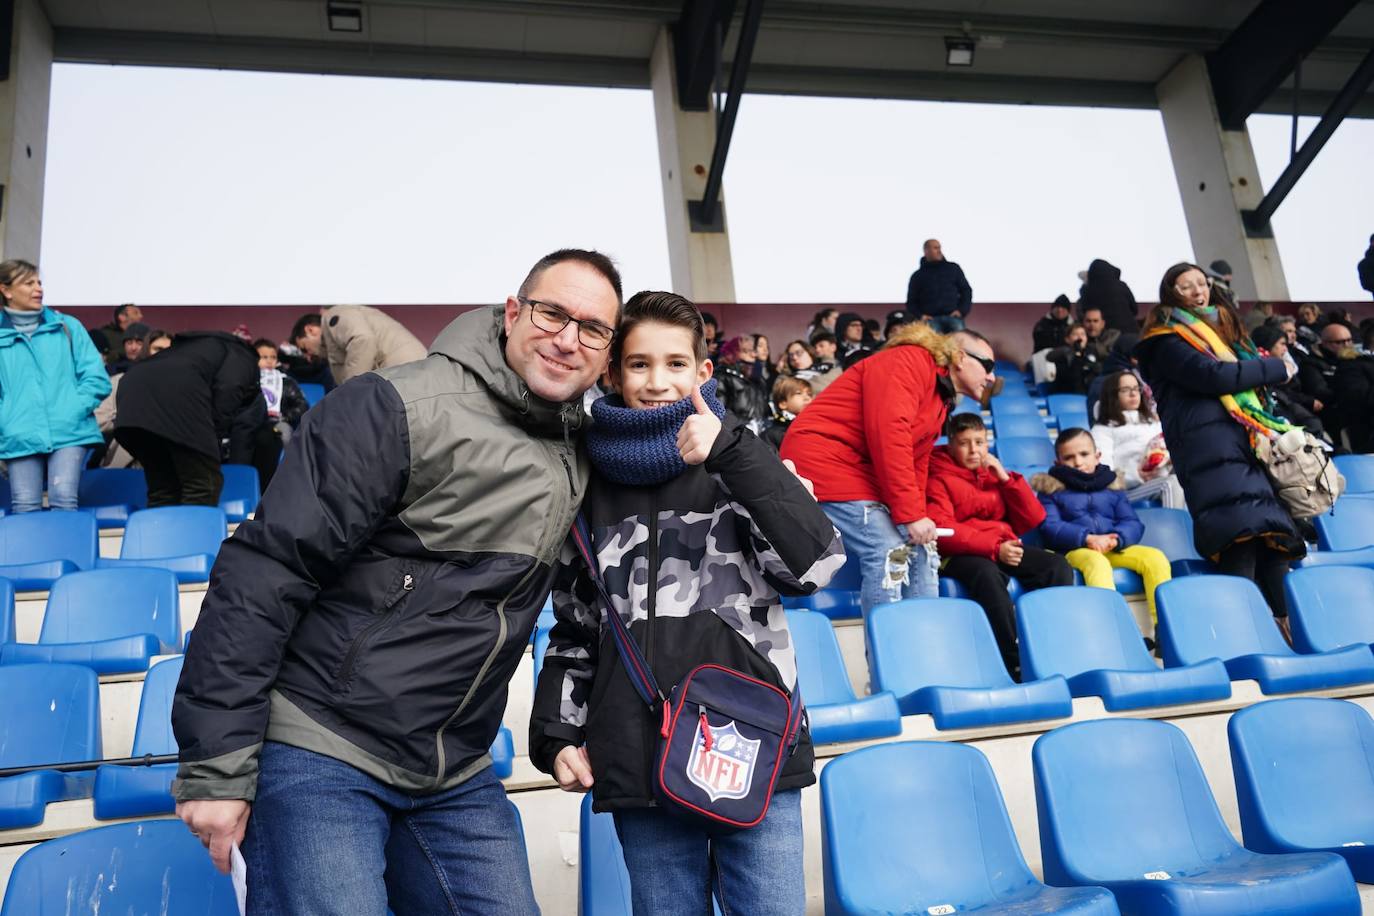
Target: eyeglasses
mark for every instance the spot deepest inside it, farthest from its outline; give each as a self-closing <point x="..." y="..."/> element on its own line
<point x="1128" y="389"/>
<point x="1341" y="341"/>
<point x="548" y="317"/>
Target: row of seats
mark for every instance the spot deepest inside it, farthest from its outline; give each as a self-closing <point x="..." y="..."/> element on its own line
<point x="113" y="494"/>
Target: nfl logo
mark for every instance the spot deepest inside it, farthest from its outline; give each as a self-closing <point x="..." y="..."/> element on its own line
<point x="727" y="769"/>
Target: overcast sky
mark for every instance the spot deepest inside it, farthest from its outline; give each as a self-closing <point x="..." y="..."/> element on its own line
<point x="190" y="186"/>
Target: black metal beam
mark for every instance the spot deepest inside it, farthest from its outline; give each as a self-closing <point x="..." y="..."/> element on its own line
<point x="1262" y="51"/>
<point x="697" y="38"/>
<point x="1257" y="220"/>
<point x="705" y="213"/>
<point x="7" y="14"/>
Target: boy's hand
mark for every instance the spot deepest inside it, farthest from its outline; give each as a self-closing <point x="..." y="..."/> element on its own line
<point x="1102" y="543"/>
<point x="991" y="462"/>
<point x="573" y="769"/>
<point x="1010" y="552"/>
<point x="699" y="432"/>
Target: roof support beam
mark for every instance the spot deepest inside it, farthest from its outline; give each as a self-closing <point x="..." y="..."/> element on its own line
<point x="698" y="37"/>
<point x="705" y="212"/>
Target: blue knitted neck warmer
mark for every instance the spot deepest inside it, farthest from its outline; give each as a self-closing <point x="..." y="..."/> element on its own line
<point x="639" y="447"/>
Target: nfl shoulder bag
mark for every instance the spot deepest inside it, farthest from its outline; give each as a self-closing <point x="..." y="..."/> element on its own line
<point x="724" y="735"/>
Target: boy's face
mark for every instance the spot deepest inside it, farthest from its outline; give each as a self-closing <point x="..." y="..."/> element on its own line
<point x="1077" y="337"/>
<point x="969" y="449"/>
<point x="1080" y="453"/>
<point x="796" y="401"/>
<point x="659" y="366"/>
<point x="825" y="349"/>
<point x="854" y="331"/>
<point x="267" y="357"/>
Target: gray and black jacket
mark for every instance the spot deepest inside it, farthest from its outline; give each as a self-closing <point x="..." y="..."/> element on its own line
<point x="695" y="567"/>
<point x="378" y="604"/>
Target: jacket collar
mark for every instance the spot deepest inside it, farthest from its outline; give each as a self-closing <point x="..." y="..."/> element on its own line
<point x="948" y="467"/>
<point x="46" y="317"/>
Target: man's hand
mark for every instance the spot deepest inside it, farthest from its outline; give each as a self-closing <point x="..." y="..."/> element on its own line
<point x="921" y="531"/>
<point x="1102" y="543"/>
<point x="699" y="432"/>
<point x="805" y="481"/>
<point x="218" y="824"/>
<point x="1317" y="406"/>
<point x="573" y="769"/>
<point x="1010" y="552"/>
<point x="992" y="464"/>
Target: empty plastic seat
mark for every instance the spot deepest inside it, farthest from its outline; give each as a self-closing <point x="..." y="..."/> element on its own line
<point x="1358" y="471"/>
<point x="921" y="827"/>
<point x="1013" y="402"/>
<point x="145" y="867"/>
<point x="939" y="657"/>
<point x="839" y="600"/>
<point x="1348" y="526"/>
<point x="1304" y="771"/>
<point x="313" y="392"/>
<point x="138" y="791"/>
<point x="1025" y="451"/>
<point x="112" y="494"/>
<point x="241" y="493"/>
<point x="37" y="548"/>
<point x="51" y="715"/>
<point x="1070" y="403"/>
<point x="1225" y="617"/>
<point x="1171" y="532"/>
<point x="1072" y="418"/>
<point x="1360" y="556"/>
<point x="503" y="754"/>
<point x="1018" y="425"/>
<point x="953" y="588"/>
<point x="1330" y="607"/>
<point x="1089" y="636"/>
<point x="110" y="620"/>
<point x="834" y="712"/>
<point x="1124" y="804"/>
<point x="6" y="611"/>
<point x="183" y="539"/>
<point x="966" y="404"/>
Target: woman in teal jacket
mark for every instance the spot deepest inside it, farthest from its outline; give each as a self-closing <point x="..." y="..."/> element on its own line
<point x="51" y="379"/>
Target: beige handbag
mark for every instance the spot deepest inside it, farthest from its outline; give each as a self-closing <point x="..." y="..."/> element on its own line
<point x="1300" y="468"/>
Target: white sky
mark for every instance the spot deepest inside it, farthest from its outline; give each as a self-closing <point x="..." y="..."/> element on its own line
<point x="206" y="187"/>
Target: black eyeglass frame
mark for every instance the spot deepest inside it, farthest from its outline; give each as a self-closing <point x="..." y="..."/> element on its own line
<point x="582" y="323"/>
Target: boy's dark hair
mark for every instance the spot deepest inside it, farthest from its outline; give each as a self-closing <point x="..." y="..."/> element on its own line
<point x="593" y="259"/>
<point x="823" y="336"/>
<point x="661" y="308"/>
<point x="311" y="320"/>
<point x="264" y="342"/>
<point x="1070" y="328"/>
<point x="1110" y="410"/>
<point x="962" y="423"/>
<point x="786" y="386"/>
<point x="1070" y="434"/>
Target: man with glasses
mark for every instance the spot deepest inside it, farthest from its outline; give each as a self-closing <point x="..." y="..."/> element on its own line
<point x="1317" y="374"/>
<point x="348" y="673"/>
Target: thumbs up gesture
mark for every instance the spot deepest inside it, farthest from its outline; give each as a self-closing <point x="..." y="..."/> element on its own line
<point x="698" y="433"/>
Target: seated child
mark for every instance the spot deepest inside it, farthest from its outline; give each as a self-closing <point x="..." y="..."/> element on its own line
<point x="988" y="509"/>
<point x="1089" y="518"/>
<point x="789" y="396"/>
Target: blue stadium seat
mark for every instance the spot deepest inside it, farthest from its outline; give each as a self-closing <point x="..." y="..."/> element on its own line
<point x="952" y="588"/>
<point x="921" y="827"/>
<point x="541" y="645"/>
<point x="1013" y="403"/>
<point x="966" y="404"/>
<point x="241" y="493"/>
<point x="110" y="620"/>
<point x="1330" y="607"/>
<point x="1360" y="556"/>
<point x="1358" y="471"/>
<point x="1171" y="532"/>
<point x="1060" y="404"/>
<point x="6" y="611"/>
<point x="1348" y="526"/>
<point x="51" y="715"/>
<point x="1017" y="425"/>
<point x="183" y="539"/>
<point x="162" y="869"/>
<point x="6" y="499"/>
<point x="1304" y="770"/>
<point x="141" y="791"/>
<point x="939" y="657"/>
<point x="1025" y="451"/>
<point x="1225" y="617"/>
<point x="834" y="712"/>
<point x="112" y="494"/>
<point x="503" y="754"/>
<point x="37" y="548"/>
<point x="1089" y="636"/>
<point x="1124" y="804"/>
<point x="1069" y="418"/>
<point x="313" y="393"/>
<point x="839" y="600"/>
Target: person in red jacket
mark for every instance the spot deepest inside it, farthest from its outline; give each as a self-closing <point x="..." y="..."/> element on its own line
<point x="865" y="444"/>
<point x="989" y="508"/>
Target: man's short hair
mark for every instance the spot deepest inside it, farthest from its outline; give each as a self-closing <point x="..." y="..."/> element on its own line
<point x="962" y="423"/>
<point x="119" y="310"/>
<point x="969" y="332"/>
<point x="786" y="386"/>
<point x="1279" y="321"/>
<point x="1070" y="434"/>
<point x="309" y="320"/>
<point x="823" y="336"/>
<point x="1091" y="308"/>
<point x="593" y="259"/>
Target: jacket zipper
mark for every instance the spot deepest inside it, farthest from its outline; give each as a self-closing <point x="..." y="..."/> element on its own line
<point x="653" y="581"/>
<point x="346" y="670"/>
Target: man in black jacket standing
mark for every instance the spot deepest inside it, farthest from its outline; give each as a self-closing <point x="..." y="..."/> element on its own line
<point x="349" y="669"/>
<point x="938" y="292"/>
<point x="1366" y="268"/>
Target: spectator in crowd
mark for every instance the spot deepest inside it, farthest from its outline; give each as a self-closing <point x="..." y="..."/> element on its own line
<point x="1120" y="358"/>
<point x="789" y="396"/>
<point x="101" y="342"/>
<point x="865" y="444"/>
<point x="1259" y="314"/>
<point x="1317" y="374"/>
<point x="301" y="358"/>
<point x="1130" y="441"/>
<point x="111" y="454"/>
<point x="1076" y="363"/>
<point x="1220" y="273"/>
<point x="430" y="493"/>
<point x="1365" y="269"/>
<point x="1089" y="519"/>
<point x="358" y="338"/>
<point x="764" y="371"/>
<point x="124" y="315"/>
<point x="260" y="430"/>
<point x="132" y="348"/>
<point x="1050" y="331"/>
<point x="1297" y="347"/>
<point x="938" y="290"/>
<point x="800" y="361"/>
<point x="1209" y="383"/>
<point x="174" y="410"/>
<point x="53" y="379"/>
<point x="850" y="331"/>
<point x="988" y="508"/>
<point x="1105" y="290"/>
<point x="823" y="320"/>
<point x="713" y="339"/>
<point x="1309" y="324"/>
<point x="741" y="394"/>
<point x="1101" y="338"/>
<point x="825" y="348"/>
<point x="1355" y="380"/>
<point x="1290" y="401"/>
<point x="155" y="341"/>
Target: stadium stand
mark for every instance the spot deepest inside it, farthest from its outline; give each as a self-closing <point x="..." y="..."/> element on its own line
<point x="837" y="601"/>
<point x="1331" y="607"/>
<point x="183" y="539"/>
<point x="241" y="492"/>
<point x="1359" y="556"/>
<point x="38" y="548"/>
<point x="113" y="494"/>
<point x="51" y="715"/>
<point x="1358" y="471"/>
<point x="833" y="711"/>
<point x="1019" y="425"/>
<point x="6" y="611"/>
<point x="1073" y="405"/>
<point x="1170" y="531"/>
<point x="138" y="791"/>
<point x="1348" y="526"/>
<point x="1015" y="403"/>
<point x="313" y="393"/>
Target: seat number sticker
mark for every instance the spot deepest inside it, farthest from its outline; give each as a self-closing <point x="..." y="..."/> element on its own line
<point x="1354" y="843"/>
<point x="1156" y="876"/>
<point x="943" y="909"/>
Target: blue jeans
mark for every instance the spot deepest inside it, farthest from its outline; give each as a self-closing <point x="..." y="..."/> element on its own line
<point x="62" y="469"/>
<point x="946" y="324"/>
<point x="674" y="866"/>
<point x="869" y="534"/>
<point x="325" y="838"/>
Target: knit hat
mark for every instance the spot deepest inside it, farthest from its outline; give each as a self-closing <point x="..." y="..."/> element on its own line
<point x="1062" y="301"/>
<point x="136" y="331"/>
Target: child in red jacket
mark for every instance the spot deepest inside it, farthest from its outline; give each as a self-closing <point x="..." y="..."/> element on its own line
<point x="988" y="509"/>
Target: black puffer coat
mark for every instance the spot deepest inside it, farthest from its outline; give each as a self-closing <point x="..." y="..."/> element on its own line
<point x="742" y="396"/>
<point x="1228" y="492"/>
<point x="1105" y="290"/>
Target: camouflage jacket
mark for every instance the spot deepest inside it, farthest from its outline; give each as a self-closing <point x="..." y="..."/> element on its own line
<point x="695" y="567"/>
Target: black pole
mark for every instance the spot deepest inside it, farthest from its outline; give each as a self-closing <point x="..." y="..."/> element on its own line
<point x="705" y="217"/>
<point x="1257" y="220"/>
<point x="1297" y="101"/>
<point x="147" y="760"/>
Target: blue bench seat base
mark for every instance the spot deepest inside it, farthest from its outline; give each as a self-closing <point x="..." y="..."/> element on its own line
<point x="190" y="568"/>
<point x="134" y="791"/>
<point x="122" y="655"/>
<point x="876" y="716"/>
<point x="1292" y="673"/>
<point x="970" y="707"/>
<point x="503" y="754"/>
<point x="24" y="799"/>
<point x="1312" y="884"/>
<point x="37" y="577"/>
<point x="112" y="516"/>
<point x="1076" y="901"/>
<point x="1120" y="689"/>
<point x="835" y="603"/>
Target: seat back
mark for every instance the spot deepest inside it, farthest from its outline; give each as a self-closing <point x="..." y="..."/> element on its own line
<point x="849" y="577"/>
<point x="966" y="404"/>
<point x="1225" y="617"/>
<point x="603" y="886"/>
<point x="313" y="392"/>
<point x="913" y="826"/>
<point x="541" y="645"/>
<point x="1059" y="404"/>
<point x="241" y="483"/>
<point x="113" y="487"/>
<point x="38" y="537"/>
<point x="6" y="611"/>
<point x="162" y="868"/>
<point x="1330" y="607"/>
<point x="51" y="714"/>
<point x="174" y="531"/>
<point x="1069" y="630"/>
<point x="1117" y="798"/>
<point x="820" y="667"/>
<point x="1170" y="531"/>
<point x="1025" y="451"/>
<point x="153" y="734"/>
<point x="1069" y="417"/>
<point x="1360" y="556"/>
<point x="110" y="603"/>
<point x="1358" y="471"/>
<point x="932" y="642"/>
<point x="1013" y="402"/>
<point x="1019" y="425"/>
<point x="1349" y="524"/>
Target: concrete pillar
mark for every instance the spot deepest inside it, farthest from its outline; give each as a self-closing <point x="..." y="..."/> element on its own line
<point x="24" y="132"/>
<point x="1217" y="179"/>
<point x="700" y="261"/>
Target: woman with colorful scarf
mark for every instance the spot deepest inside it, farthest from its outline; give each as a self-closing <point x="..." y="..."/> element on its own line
<point x="1210" y="385"/>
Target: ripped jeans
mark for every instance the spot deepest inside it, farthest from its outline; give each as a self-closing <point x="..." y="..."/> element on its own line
<point x="870" y="535"/>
